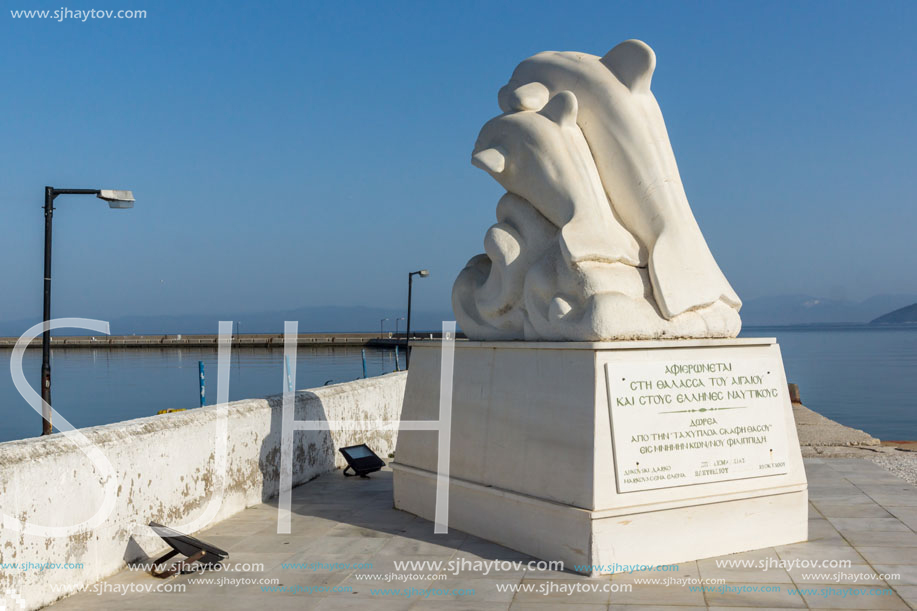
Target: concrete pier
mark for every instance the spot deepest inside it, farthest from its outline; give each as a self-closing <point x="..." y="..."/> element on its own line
<point x="196" y="466"/>
<point x="166" y="468"/>
<point x="346" y="540"/>
<point x="256" y="340"/>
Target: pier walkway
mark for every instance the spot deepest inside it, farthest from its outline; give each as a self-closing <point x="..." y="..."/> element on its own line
<point x="346" y="540"/>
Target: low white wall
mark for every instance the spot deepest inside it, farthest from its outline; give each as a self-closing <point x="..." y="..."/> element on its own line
<point x="167" y="471"/>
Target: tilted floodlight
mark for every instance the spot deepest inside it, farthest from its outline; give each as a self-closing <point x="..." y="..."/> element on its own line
<point x="424" y="273"/>
<point x="361" y="460"/>
<point x="117" y="199"/>
<point x="199" y="554"/>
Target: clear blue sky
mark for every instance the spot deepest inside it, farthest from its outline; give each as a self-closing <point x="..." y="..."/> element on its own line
<point x="302" y="153"/>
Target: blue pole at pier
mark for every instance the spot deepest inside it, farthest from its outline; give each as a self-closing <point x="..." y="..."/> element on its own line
<point x="397" y="364"/>
<point x="364" y="362"/>
<point x="289" y="378"/>
<point x="200" y="365"/>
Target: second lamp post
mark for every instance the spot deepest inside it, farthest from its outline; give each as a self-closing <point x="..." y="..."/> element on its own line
<point x="423" y="273"/>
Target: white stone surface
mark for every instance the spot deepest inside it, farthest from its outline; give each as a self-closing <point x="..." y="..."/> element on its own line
<point x="166" y="471"/>
<point x="533" y="463"/>
<point x="681" y="422"/>
<point x="595" y="239"/>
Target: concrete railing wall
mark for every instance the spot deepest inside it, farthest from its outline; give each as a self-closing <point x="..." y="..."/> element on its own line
<point x="167" y="469"/>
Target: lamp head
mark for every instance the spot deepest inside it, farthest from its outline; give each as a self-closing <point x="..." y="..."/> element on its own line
<point x="424" y="273"/>
<point x="117" y="199"/>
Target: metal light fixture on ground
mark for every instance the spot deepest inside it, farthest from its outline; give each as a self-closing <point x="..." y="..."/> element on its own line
<point x="361" y="460"/>
<point x="198" y="553"/>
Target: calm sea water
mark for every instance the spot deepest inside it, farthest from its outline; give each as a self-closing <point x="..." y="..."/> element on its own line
<point x="92" y="387"/>
<point x="861" y="376"/>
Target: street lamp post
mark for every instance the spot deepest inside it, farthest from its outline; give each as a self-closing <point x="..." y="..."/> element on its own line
<point x="115" y="199"/>
<point x="423" y="273"/>
<point x="396" y="324"/>
<point x="382" y="327"/>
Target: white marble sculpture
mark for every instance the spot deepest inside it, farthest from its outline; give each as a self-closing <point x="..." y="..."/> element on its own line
<point x="595" y="239"/>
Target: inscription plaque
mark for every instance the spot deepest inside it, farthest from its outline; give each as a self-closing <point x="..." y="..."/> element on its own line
<point x="681" y="422"/>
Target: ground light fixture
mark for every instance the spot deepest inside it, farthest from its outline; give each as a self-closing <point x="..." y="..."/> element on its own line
<point x="117" y="199"/>
<point x="361" y="460"/>
<point x="199" y="554"/>
<point x="423" y="273"/>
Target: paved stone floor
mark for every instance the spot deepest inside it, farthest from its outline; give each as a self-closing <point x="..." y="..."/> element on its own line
<point x="858" y="512"/>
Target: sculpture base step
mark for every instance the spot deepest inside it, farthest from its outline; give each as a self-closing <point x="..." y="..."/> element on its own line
<point x="594" y="543"/>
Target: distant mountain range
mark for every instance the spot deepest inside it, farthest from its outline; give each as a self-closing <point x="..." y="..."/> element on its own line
<point x="315" y="319"/>
<point x="806" y="309"/>
<point x="907" y="314"/>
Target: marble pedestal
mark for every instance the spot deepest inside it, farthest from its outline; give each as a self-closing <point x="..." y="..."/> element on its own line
<point x="572" y="452"/>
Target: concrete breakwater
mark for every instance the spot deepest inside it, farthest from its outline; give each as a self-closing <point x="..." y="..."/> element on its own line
<point x="185" y="470"/>
<point x="259" y="340"/>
